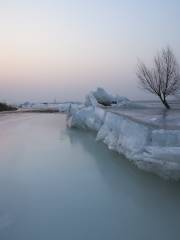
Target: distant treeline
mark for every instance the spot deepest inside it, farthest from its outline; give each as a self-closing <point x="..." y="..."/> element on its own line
<point x="6" y="107"/>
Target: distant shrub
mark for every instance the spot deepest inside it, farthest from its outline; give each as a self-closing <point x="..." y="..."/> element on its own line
<point x="6" y="107"/>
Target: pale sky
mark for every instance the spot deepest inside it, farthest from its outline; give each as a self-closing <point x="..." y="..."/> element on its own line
<point x="62" y="49"/>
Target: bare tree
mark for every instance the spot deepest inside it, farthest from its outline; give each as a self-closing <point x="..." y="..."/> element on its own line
<point x="163" y="79"/>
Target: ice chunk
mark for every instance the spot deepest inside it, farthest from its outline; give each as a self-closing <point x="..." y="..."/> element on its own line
<point x="123" y="135"/>
<point x="91" y="100"/>
<point x="87" y="118"/>
<point x="101" y="97"/>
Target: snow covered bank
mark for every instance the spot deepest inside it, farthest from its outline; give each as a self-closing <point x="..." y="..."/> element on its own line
<point x="54" y="107"/>
<point x="151" y="149"/>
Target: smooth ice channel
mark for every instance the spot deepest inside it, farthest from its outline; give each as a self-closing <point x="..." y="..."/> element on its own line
<point x="59" y="183"/>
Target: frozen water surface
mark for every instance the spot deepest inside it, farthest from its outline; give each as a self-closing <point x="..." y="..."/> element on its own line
<point x="152" y="113"/>
<point x="58" y="183"/>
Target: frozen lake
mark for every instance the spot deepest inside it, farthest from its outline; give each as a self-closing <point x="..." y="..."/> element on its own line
<point x="58" y="183"/>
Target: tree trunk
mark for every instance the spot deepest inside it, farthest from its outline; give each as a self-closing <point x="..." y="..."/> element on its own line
<point x="166" y="104"/>
<point x="163" y="100"/>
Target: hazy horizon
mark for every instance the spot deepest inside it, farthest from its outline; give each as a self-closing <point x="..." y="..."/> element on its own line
<point x="62" y="49"/>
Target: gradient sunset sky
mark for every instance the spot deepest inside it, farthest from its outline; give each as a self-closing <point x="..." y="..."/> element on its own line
<point x="62" y="49"/>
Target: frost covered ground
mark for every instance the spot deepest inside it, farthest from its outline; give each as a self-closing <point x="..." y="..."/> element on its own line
<point x="155" y="117"/>
<point x="49" y="107"/>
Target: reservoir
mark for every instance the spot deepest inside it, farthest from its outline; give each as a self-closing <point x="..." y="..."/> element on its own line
<point x="60" y="184"/>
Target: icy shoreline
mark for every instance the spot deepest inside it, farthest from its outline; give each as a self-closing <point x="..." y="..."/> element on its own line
<point x="148" y="137"/>
<point x="150" y="149"/>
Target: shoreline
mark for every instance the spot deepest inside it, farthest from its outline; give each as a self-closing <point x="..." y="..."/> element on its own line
<point x="151" y="142"/>
<point x="150" y="148"/>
